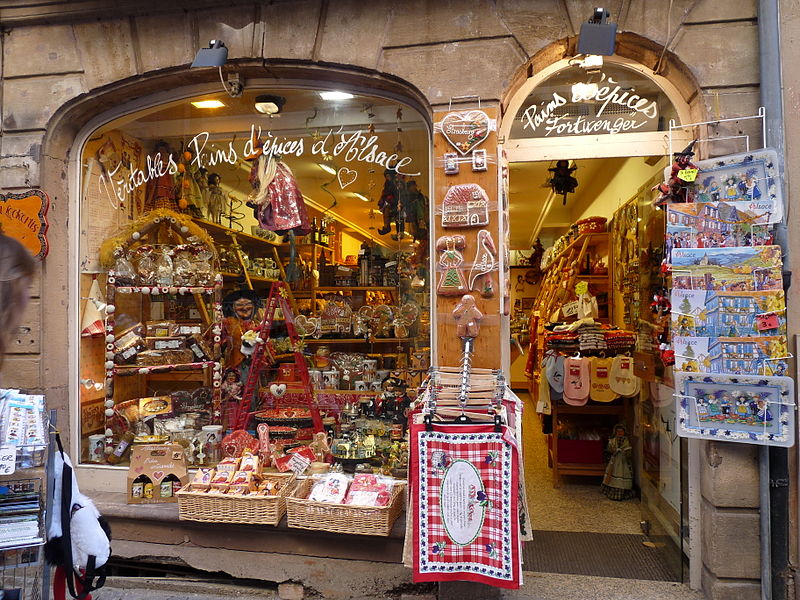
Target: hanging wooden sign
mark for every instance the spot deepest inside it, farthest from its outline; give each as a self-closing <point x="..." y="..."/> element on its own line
<point x="24" y="218"/>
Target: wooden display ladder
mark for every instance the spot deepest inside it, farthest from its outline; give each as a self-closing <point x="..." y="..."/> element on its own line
<point x="553" y="290"/>
<point x="278" y="296"/>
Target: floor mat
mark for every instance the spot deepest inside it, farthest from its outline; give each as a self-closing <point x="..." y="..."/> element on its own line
<point x="598" y="554"/>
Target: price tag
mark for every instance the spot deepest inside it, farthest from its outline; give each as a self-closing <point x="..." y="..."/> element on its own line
<point x="581" y="288"/>
<point x="298" y="463"/>
<point x="570" y="309"/>
<point x="8" y="460"/>
<point x="688" y="175"/>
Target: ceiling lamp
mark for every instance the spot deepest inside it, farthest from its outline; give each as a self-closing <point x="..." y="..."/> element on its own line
<point x="208" y="104"/>
<point x="327" y="168"/>
<point x="597" y="36"/>
<point x="361" y="196"/>
<point x="335" y="95"/>
<point x="269" y="104"/>
<point x="214" y="56"/>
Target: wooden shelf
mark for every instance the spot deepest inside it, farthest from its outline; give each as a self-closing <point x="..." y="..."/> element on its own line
<point x="356" y="340"/>
<point x="353" y="392"/>
<point x="252" y="277"/>
<point x="214" y="228"/>
<point x="146" y="370"/>
<point x="577" y="242"/>
<point x="344" y="288"/>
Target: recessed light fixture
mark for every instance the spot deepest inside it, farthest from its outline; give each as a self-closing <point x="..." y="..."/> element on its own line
<point x="361" y="196"/>
<point x="335" y="95"/>
<point x="327" y="168"/>
<point x="269" y="104"/>
<point x="208" y="104"/>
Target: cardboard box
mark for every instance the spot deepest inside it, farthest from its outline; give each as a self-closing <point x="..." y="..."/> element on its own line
<point x="151" y="467"/>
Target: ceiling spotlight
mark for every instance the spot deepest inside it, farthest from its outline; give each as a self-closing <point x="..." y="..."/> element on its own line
<point x="269" y="105"/>
<point x="597" y="36"/>
<point x="208" y="104"/>
<point x="327" y="168"/>
<point x="335" y="95"/>
<point x="214" y="56"/>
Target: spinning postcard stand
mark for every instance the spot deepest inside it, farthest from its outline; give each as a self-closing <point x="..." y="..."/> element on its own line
<point x="464" y="472"/>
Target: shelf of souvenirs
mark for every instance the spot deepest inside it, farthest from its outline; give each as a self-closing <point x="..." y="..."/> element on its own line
<point x="253" y="278"/>
<point x="371" y="340"/>
<point x="128" y="370"/>
<point x="174" y="289"/>
<point x="218" y="232"/>
<point x="309" y="293"/>
<point x="592" y="237"/>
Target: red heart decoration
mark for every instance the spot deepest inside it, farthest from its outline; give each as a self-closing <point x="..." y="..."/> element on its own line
<point x="158" y="475"/>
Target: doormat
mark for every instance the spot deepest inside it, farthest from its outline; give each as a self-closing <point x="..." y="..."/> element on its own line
<point x="598" y="554"/>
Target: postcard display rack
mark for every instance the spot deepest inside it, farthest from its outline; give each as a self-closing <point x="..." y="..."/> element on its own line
<point x="728" y="318"/>
<point x="25" y="467"/>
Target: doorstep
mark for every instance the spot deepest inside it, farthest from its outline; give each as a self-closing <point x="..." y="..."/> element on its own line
<point x="160" y="524"/>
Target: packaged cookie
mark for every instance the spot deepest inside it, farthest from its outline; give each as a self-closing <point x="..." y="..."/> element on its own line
<point x="165" y="343"/>
<point x="128" y="344"/>
<point x="221" y="481"/>
<point x="162" y="329"/>
<point x="250" y="463"/>
<point x="202" y="479"/>
<point x="198" y="348"/>
<point x="187" y="329"/>
<point x="241" y="483"/>
<point x="229" y="464"/>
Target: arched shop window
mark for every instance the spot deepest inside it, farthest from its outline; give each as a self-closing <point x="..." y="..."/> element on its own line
<point x="195" y="206"/>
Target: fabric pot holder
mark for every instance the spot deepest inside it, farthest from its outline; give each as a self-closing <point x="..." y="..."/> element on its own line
<point x="600" y="380"/>
<point x="554" y="371"/>
<point x="576" y="381"/>
<point x="623" y="381"/>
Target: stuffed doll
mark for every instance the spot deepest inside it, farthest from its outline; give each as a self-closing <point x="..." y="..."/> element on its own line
<point x="618" y="479"/>
<point x="160" y="190"/>
<point x="676" y="189"/>
<point x="216" y="199"/>
<point x="389" y="201"/>
<point x="79" y="539"/>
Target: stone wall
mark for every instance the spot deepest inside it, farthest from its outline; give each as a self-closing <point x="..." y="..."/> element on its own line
<point x="63" y="63"/>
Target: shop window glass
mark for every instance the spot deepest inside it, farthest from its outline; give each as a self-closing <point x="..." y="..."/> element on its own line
<point x="195" y="210"/>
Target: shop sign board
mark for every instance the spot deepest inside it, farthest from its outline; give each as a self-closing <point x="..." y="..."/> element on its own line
<point x="24" y="217"/>
<point x="588" y="107"/>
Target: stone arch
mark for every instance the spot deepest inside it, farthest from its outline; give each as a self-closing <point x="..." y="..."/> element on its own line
<point x="631" y="46"/>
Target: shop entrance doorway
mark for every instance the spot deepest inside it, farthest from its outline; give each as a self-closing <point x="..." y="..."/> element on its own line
<point x="607" y="476"/>
<point x="603" y="473"/>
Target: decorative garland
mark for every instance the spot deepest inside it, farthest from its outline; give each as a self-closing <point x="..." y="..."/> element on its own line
<point x="183" y="224"/>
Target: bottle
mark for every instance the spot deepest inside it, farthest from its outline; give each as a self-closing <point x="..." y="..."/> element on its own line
<point x="122" y="448"/>
<point x="168" y="486"/>
<point x="148" y="488"/>
<point x="137" y="487"/>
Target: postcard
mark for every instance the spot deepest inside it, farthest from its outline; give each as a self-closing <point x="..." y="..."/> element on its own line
<point x="749" y="177"/>
<point x="728" y="314"/>
<point x="751" y="410"/>
<point x="718" y="225"/>
<point x="727" y="269"/>
<point x="768" y="355"/>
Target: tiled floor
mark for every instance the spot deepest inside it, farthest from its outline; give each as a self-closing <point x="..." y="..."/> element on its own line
<point x="578" y="505"/>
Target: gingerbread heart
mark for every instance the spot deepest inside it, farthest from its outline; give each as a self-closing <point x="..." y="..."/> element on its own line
<point x="346" y="176"/>
<point x="277" y="389"/>
<point x="306" y="326"/>
<point x="465" y="130"/>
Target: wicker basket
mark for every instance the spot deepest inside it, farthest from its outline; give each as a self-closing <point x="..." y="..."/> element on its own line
<point x="343" y="518"/>
<point x="221" y="508"/>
